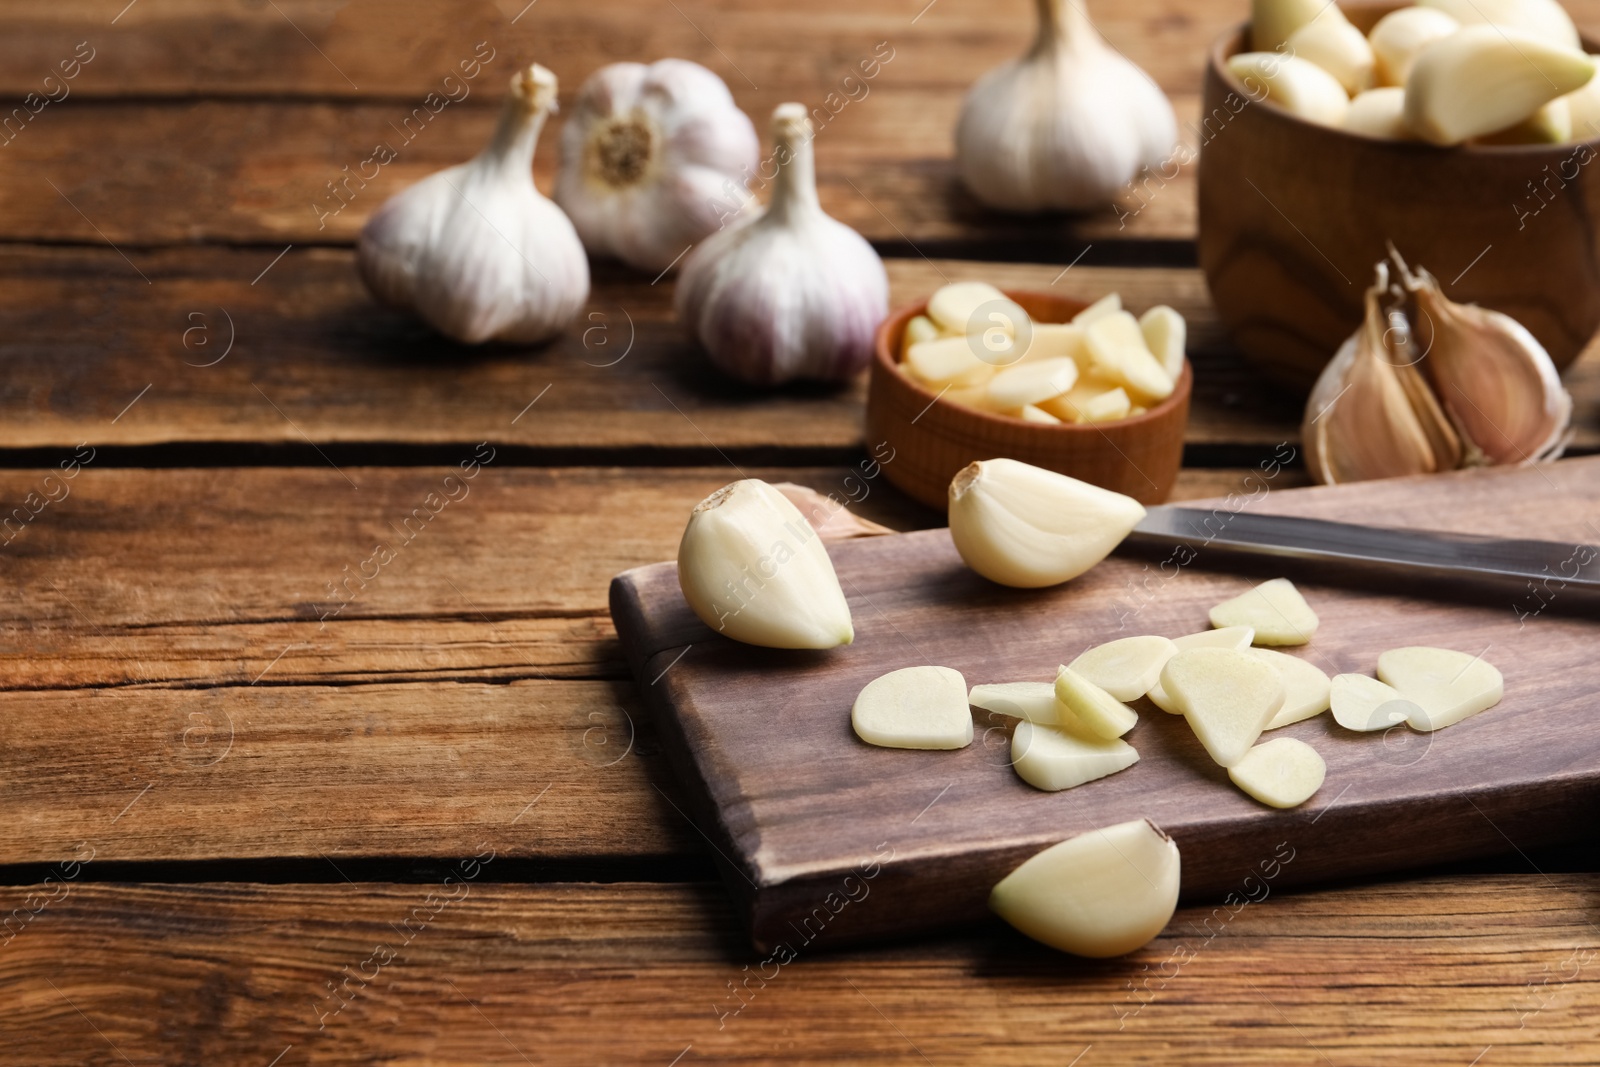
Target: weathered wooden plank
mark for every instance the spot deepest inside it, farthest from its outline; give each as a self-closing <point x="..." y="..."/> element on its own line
<point x="1436" y="972"/>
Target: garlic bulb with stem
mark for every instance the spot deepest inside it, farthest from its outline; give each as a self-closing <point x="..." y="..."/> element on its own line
<point x="654" y="158"/>
<point x="476" y="250"/>
<point x="1066" y="126"/>
<point x="788" y="294"/>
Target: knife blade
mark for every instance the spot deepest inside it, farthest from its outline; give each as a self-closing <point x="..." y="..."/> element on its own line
<point x="1540" y="573"/>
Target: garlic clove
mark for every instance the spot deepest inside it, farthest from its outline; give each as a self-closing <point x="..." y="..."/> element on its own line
<point x="1165" y="334"/>
<point x="754" y="570"/>
<point x="1127" y="668"/>
<point x="1227" y="696"/>
<point x="1485" y="78"/>
<point x="1117" y="351"/>
<point x="1109" y="304"/>
<point x="1273" y="22"/>
<point x="1365" y="704"/>
<point x="1400" y="35"/>
<point x="1584" y="108"/>
<point x="1281" y="773"/>
<point x="1100" y="894"/>
<point x="1023" y="526"/>
<point x="1052" y="759"/>
<point x="1056" y="340"/>
<point x="1297" y="85"/>
<point x="1545" y="19"/>
<point x="1033" y="701"/>
<point x="1228" y="637"/>
<point x="1380" y="113"/>
<point x="1305" y="687"/>
<point x="947" y="361"/>
<point x="476" y="251"/>
<point x="1109" y="406"/>
<point x="965" y="308"/>
<point x="1093" y="709"/>
<point x="653" y="159"/>
<point x="916" y="707"/>
<point x="1090" y="400"/>
<point x="1551" y="124"/>
<point x="919" y="328"/>
<point x="790" y="294"/>
<point x="1275" y="610"/>
<point x="1445" y="686"/>
<point x="1338" y="48"/>
<point x="1029" y="413"/>
<point x="1029" y="383"/>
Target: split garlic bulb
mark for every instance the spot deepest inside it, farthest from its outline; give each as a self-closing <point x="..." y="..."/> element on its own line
<point x="653" y="158"/>
<point x="1066" y="126"/>
<point x="790" y="293"/>
<point x="476" y="250"/>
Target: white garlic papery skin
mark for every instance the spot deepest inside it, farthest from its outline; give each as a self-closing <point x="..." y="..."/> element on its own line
<point x="653" y="158"/>
<point x="476" y="250"/>
<point x="1066" y="126"/>
<point x="789" y="294"/>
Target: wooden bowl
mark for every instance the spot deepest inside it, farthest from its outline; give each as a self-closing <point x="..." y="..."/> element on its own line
<point x="932" y="439"/>
<point x="1294" y="215"/>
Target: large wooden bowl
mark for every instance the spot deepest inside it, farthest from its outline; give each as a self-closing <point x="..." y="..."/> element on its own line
<point x="932" y="439"/>
<point x="1293" y="216"/>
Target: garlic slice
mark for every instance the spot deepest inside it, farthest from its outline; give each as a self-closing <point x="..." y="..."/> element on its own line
<point x="1096" y="710"/>
<point x="1305" y="687"/>
<point x="1365" y="704"/>
<point x="1227" y="637"/>
<point x="947" y="361"/>
<point x="1052" y="759"/>
<point x="1029" y="383"/>
<point x="1275" y="610"/>
<point x="1027" y="527"/>
<point x="1117" y="350"/>
<point x="1056" y="340"/>
<point x="1281" y="773"/>
<point x="1445" y="685"/>
<point x="1380" y="112"/>
<point x="1338" y="48"/>
<point x="1545" y="19"/>
<point x="1401" y="34"/>
<point x="919" y="328"/>
<point x="1033" y="701"/>
<point x="966" y="308"/>
<point x="1128" y="667"/>
<point x="1029" y="413"/>
<point x="754" y="570"/>
<point x="1485" y="78"/>
<point x="1109" y="304"/>
<point x="916" y="707"/>
<point x="1227" y="696"/>
<point x="1297" y="85"/>
<point x="1165" y="334"/>
<point x="1100" y="894"/>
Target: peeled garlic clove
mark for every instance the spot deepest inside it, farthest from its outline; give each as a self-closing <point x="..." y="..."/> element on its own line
<point x="653" y="159"/>
<point x="1165" y="334"/>
<point x="1109" y="304"/>
<point x="1023" y="526"/>
<point x="919" y="328"/>
<point x="1338" y="48"/>
<point x="754" y="570"/>
<point x="476" y="251"/>
<point x="789" y="294"/>
<point x="1029" y="413"/>
<point x="1380" y="112"/>
<point x="1545" y="19"/>
<point x="917" y="707"/>
<point x="1584" y="108"/>
<point x="1066" y="126"/>
<point x="1109" y="406"/>
<point x="1365" y="704"/>
<point x="1275" y="610"/>
<point x="1305" y="687"/>
<point x="1100" y="894"/>
<point x="1095" y="709"/>
<point x="1029" y="383"/>
<point x="1052" y="759"/>
<point x="1485" y="78"/>
<point x="1400" y="35"/>
<point x="1117" y="351"/>
<point x="1091" y="400"/>
<point x="947" y="361"/>
<point x="1445" y="685"/>
<point x="1551" y="124"/>
<point x="966" y="308"/>
<point x="1297" y="85"/>
<point x="1055" y="340"/>
<point x="1227" y="637"/>
<point x="1034" y="701"/>
<point x="1281" y="773"/>
<point x="1272" y="22"/>
<point x="1227" y="696"/>
<point x="1126" y="668"/>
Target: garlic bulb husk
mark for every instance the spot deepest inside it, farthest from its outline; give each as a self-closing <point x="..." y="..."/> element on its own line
<point x="654" y="158"/>
<point x="789" y="294"/>
<point x="1066" y="126"/>
<point x="754" y="570"/>
<point x="476" y="250"/>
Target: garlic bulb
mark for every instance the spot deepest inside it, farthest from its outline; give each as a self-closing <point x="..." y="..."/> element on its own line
<point x="475" y="250"/>
<point x="1065" y="126"/>
<point x="653" y="159"/>
<point x="790" y="293"/>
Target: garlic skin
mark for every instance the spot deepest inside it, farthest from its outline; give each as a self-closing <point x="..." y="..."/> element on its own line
<point x="654" y="158"/>
<point x="788" y="294"/>
<point x="754" y="570"/>
<point x="1066" y="126"/>
<point x="476" y="251"/>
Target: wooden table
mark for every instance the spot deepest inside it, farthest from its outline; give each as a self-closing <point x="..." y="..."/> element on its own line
<point x="246" y="824"/>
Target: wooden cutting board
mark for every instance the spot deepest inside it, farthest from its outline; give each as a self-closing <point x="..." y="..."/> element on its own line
<point x="825" y="838"/>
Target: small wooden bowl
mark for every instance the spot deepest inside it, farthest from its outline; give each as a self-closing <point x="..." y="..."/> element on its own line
<point x="1294" y="215"/>
<point x="932" y="439"/>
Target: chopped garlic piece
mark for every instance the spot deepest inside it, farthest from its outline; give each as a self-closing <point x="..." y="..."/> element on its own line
<point x="1098" y="711"/>
<point x="1165" y="334"/>
<point x="919" y="329"/>
<point x="1365" y="704"/>
<point x="1029" y="383"/>
<point x="1447" y="686"/>
<point x="1305" y="687"/>
<point x="1109" y="304"/>
<point x="1127" y="668"/>
<point x="1034" y="701"/>
<point x="1281" y="773"/>
<point x="918" y="707"/>
<point x="1029" y="413"/>
<point x="1056" y="340"/>
<point x="1100" y="894"/>
<point x="1275" y="610"/>
<point x="948" y="361"/>
<point x="962" y="308"/>
<point x="1117" y="351"/>
<point x="1227" y="695"/>
<point x="1050" y="758"/>
<point x="1227" y="637"/>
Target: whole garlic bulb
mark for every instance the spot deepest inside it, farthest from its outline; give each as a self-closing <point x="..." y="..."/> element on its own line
<point x="1065" y="126"/>
<point x="476" y="250"/>
<point x="653" y="159"/>
<point x="791" y="293"/>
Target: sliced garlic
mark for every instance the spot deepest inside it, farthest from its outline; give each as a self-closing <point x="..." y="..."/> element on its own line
<point x="1091" y="400"/>
<point x="1545" y="19"/>
<point x="1227" y="637"/>
<point x="1100" y="894"/>
<point x="1297" y="85"/>
<point x="1117" y="350"/>
<point x="754" y="570"/>
<point x="972" y="307"/>
<point x="1024" y="526"/>
<point x="1033" y="701"/>
<point x="1365" y="704"/>
<point x="1281" y="773"/>
<point x="1165" y="334"/>
<point x="1275" y="610"/>
<point x="1052" y="759"/>
<point x="1305" y="687"/>
<point x="1380" y="113"/>
<point x="1109" y="304"/>
<point x="1272" y="22"/>
<point x="1029" y="383"/>
<point x="947" y="361"/>
<point x="1056" y="340"/>
<point x="1095" y="709"/>
<point x="1338" y="48"/>
<point x="916" y="707"/>
<point x="1446" y="686"/>
<point x="1029" y="413"/>
<point x="1401" y="34"/>
<point x="1126" y="668"/>
<point x="1485" y="78"/>
<point x="1227" y="696"/>
<point x="918" y="329"/>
